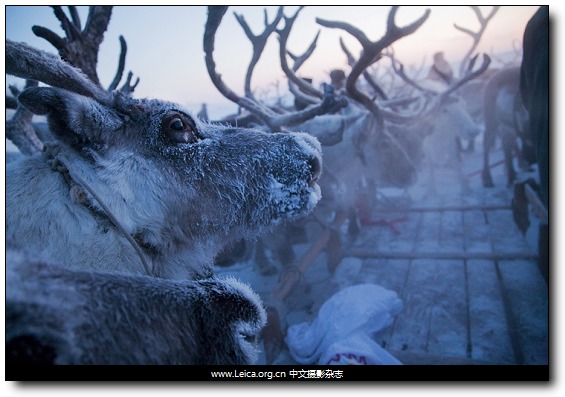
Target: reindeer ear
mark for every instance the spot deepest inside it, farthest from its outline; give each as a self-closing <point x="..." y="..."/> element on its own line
<point x="77" y="120"/>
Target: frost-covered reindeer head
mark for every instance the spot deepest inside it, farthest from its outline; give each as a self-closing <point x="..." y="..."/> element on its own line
<point x="141" y="186"/>
<point x="62" y="316"/>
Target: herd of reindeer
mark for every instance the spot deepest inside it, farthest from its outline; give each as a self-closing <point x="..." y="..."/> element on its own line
<point x="118" y="209"/>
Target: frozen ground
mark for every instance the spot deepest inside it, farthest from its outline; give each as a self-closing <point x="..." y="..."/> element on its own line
<point x="468" y="279"/>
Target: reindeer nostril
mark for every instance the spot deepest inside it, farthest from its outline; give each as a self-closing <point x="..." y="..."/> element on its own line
<point x="315" y="168"/>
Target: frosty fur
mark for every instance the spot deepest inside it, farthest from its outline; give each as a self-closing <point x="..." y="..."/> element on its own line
<point x="61" y="316"/>
<point x="181" y="188"/>
<point x="183" y="200"/>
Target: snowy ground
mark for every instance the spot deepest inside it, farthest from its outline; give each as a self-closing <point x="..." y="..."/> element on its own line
<point x="468" y="279"/>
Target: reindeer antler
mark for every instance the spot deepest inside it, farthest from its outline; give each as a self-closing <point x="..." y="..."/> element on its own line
<point x="127" y="88"/>
<point x="352" y="61"/>
<point x="298" y="62"/>
<point x="398" y="68"/>
<point x="437" y="98"/>
<point x="372" y="52"/>
<point x="81" y="47"/>
<point x="35" y="65"/>
<point x="283" y="38"/>
<point x="469" y="74"/>
<point x="74" y="70"/>
<point x="269" y="117"/>
<point x="19" y="128"/>
<point x="27" y="62"/>
<point x="476" y="36"/>
<point x="215" y="15"/>
<point x="258" y="42"/>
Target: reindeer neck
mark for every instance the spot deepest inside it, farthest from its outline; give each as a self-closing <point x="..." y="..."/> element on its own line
<point x="85" y="193"/>
<point x="100" y="201"/>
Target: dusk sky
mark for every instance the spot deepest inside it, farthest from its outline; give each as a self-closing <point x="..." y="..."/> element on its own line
<point x="165" y="43"/>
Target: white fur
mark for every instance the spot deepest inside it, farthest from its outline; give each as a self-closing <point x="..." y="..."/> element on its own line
<point x="145" y="200"/>
<point x="61" y="316"/>
<point x="451" y="122"/>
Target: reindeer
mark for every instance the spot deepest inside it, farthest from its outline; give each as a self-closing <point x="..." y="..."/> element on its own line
<point x="363" y="139"/>
<point x="455" y="125"/>
<point x="445" y="129"/>
<point x="359" y="135"/>
<point x="139" y="187"/>
<point x="261" y="115"/>
<point x="68" y="317"/>
<point x="441" y="146"/>
<point x="405" y="130"/>
<point x="146" y="182"/>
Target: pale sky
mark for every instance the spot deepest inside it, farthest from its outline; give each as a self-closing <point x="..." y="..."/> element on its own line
<point x="165" y="43"/>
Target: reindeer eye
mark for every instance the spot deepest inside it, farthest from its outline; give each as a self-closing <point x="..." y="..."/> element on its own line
<point x="177" y="124"/>
<point x="179" y="129"/>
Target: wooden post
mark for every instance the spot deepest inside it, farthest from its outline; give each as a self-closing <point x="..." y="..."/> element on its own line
<point x="289" y="279"/>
